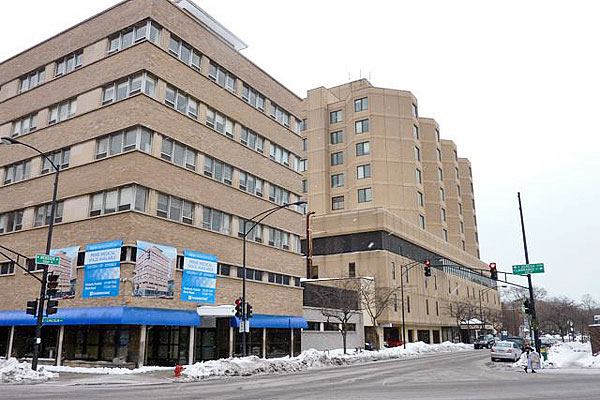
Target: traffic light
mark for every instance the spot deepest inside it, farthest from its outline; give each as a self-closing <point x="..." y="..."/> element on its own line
<point x="493" y="271"/>
<point x="32" y="307"/>
<point x="52" y="307"/>
<point x="248" y="310"/>
<point x="52" y="286"/>
<point x="427" y="268"/>
<point x="238" y="307"/>
<point x="527" y="307"/>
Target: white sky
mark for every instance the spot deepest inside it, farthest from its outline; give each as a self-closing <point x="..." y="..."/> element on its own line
<point x="515" y="84"/>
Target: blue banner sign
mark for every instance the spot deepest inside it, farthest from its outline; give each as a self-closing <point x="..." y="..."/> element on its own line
<point x="102" y="269"/>
<point x="199" y="280"/>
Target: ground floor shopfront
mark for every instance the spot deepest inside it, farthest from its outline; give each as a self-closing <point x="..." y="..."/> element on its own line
<point x="426" y="334"/>
<point x="133" y="336"/>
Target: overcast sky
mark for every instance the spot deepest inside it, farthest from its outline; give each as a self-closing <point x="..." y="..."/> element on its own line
<point x="515" y="84"/>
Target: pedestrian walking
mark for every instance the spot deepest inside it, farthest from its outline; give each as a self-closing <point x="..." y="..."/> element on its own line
<point x="533" y="359"/>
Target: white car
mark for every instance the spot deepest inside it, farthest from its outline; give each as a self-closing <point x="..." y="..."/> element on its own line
<point x="506" y="350"/>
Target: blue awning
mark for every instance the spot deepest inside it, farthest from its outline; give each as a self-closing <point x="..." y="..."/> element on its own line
<point x="273" y="321"/>
<point x="106" y="316"/>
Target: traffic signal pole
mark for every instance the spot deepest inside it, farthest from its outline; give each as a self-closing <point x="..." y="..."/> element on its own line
<point x="534" y="325"/>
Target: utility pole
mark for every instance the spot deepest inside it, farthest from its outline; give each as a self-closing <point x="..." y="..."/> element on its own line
<point x="534" y="325"/>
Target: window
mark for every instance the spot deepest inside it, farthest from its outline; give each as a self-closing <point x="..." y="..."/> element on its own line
<point x="313" y="326"/>
<point x="462" y="227"/>
<point x="42" y="214"/>
<point x="32" y="80"/>
<point x="408" y="304"/>
<point x="62" y="111"/>
<point x="219" y="122"/>
<point x="280" y="115"/>
<point x="459" y="209"/>
<point x="365" y="195"/>
<point x="251" y="184"/>
<point x="418" y="176"/>
<point x="438" y="153"/>
<point x="178" y="153"/>
<point x="11" y="221"/>
<point x="337" y="203"/>
<point x="414" y="110"/>
<point x="221" y="76"/>
<point x="437" y="135"/>
<point x="336" y="137"/>
<point x="363" y="148"/>
<point x="280" y="155"/>
<point x="417" y="154"/>
<point x="186" y="53"/>
<point x="218" y="170"/>
<point x="337" y="158"/>
<point x="415" y="132"/>
<point x="256" y="234"/>
<point x="458" y="190"/>
<point x="278" y="195"/>
<point x="252" y="139"/>
<point x="422" y="221"/>
<point x="455" y="155"/>
<point x="304" y="186"/>
<point x="304" y="144"/>
<point x="393" y="270"/>
<point x="464" y="246"/>
<point x="445" y="235"/>
<point x="351" y="270"/>
<point x="215" y="220"/>
<point x="145" y="30"/>
<point x="69" y="63"/>
<point x="132" y="138"/>
<point x="363" y="171"/>
<point x="456" y="172"/>
<point x="60" y="158"/>
<point x="443" y="212"/>
<point x="335" y="116"/>
<point x="223" y="269"/>
<point x="279" y="238"/>
<point x="337" y="180"/>
<point x="361" y="126"/>
<point x="442" y="194"/>
<point x="278" y="278"/>
<point x="121" y="199"/>
<point x="175" y="209"/>
<point x="440" y="174"/>
<point x="302" y="165"/>
<point x="24" y="125"/>
<point x="420" y="200"/>
<point x="251" y="274"/>
<point x="181" y="102"/>
<point x="7" y="268"/>
<point x="301" y="125"/>
<point x="17" y="172"/>
<point x="361" y="104"/>
<point x="254" y="98"/>
<point x="427" y="306"/>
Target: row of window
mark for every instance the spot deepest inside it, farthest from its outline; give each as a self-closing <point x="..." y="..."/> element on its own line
<point x="13" y="220"/>
<point x="185" y="52"/>
<point x="362" y="172"/>
<point x="329" y="326"/>
<point x="361" y="104"/>
<point x="144" y="30"/>
<point x="132" y="85"/>
<point x="362" y="149"/>
<point x="365" y="195"/>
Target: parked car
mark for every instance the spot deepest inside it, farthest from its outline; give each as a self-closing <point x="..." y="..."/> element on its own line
<point x="518" y="340"/>
<point x="393" y="343"/>
<point x="484" y="341"/>
<point x="506" y="350"/>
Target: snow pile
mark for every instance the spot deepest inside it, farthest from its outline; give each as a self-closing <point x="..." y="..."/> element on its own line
<point x="310" y="359"/>
<point x="566" y="355"/>
<point x="106" y="370"/>
<point x="13" y="371"/>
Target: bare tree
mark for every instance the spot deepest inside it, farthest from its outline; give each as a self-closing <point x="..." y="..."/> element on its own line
<point x="375" y="301"/>
<point x="463" y="311"/>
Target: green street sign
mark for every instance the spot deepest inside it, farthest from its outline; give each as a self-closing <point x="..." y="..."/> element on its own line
<point x="46" y="259"/>
<point x="525" y="269"/>
<point x="52" y="320"/>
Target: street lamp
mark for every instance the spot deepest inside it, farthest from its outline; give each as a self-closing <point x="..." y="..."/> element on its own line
<point x="408" y="267"/>
<point x="264" y="215"/>
<point x="481" y="292"/>
<point x="38" y="327"/>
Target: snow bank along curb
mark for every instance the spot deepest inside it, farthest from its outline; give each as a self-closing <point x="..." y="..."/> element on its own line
<point x="106" y="370"/>
<point x="13" y="371"/>
<point x="310" y="359"/>
<point x="567" y="355"/>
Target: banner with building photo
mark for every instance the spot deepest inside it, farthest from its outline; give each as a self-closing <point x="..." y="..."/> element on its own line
<point x="154" y="271"/>
<point x="199" y="282"/>
<point x="102" y="269"/>
<point x="66" y="271"/>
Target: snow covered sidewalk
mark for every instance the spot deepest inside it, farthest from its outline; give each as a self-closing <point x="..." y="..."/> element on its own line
<point x="13" y="371"/>
<point x="311" y="359"/>
<point x="572" y="355"/>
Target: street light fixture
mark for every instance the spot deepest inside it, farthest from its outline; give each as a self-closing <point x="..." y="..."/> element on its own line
<point x="264" y="215"/>
<point x="38" y="328"/>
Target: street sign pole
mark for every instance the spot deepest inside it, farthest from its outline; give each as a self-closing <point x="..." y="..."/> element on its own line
<point x="534" y="326"/>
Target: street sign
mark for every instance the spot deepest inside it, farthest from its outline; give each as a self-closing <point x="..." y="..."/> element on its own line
<point x="46" y="259"/>
<point x="525" y="269"/>
<point x="47" y="320"/>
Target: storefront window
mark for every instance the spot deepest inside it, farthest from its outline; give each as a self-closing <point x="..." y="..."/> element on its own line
<point x="278" y="342"/>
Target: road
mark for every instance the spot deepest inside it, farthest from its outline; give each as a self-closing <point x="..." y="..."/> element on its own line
<point x="468" y="375"/>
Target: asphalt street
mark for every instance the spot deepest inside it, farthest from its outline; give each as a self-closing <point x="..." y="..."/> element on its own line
<point x="468" y="375"/>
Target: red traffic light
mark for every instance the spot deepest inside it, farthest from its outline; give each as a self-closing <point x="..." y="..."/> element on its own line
<point x="427" y="263"/>
<point x="492" y="265"/>
<point x="238" y="301"/>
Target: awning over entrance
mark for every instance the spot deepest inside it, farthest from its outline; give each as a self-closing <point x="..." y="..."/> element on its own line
<point x="273" y="321"/>
<point x="106" y="316"/>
